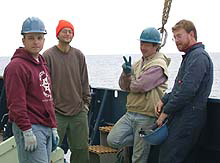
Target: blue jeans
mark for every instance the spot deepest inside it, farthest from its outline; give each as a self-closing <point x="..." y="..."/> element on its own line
<point x="126" y="133"/>
<point x="44" y="144"/>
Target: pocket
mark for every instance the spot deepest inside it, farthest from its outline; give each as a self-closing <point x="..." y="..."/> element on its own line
<point x="184" y="135"/>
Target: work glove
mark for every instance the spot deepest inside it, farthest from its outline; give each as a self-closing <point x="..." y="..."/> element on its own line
<point x="127" y="65"/>
<point x="55" y="139"/>
<point x="30" y="141"/>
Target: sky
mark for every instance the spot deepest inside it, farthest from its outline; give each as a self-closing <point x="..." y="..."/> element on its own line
<point x="105" y="27"/>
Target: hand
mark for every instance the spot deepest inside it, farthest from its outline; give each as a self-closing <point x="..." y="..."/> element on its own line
<point x="55" y="139"/>
<point x="127" y="65"/>
<point x="86" y="107"/>
<point x="30" y="141"/>
<point x="161" y="119"/>
<point x="158" y="108"/>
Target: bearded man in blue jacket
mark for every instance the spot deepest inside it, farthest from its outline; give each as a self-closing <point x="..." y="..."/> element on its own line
<point x="185" y="106"/>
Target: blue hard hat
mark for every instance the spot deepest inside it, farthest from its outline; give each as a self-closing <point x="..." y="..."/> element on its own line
<point x="151" y="35"/>
<point x="155" y="136"/>
<point x="33" y="24"/>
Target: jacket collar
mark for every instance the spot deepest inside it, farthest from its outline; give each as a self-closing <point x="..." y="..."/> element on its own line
<point x="191" y="48"/>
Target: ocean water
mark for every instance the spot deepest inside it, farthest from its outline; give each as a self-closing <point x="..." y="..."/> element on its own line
<point x="104" y="70"/>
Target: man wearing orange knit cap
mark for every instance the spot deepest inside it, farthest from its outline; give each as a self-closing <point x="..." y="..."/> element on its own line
<point x="62" y="24"/>
<point x="70" y="88"/>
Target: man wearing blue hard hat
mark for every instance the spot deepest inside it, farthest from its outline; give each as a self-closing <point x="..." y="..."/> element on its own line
<point x="146" y="82"/>
<point x="29" y="98"/>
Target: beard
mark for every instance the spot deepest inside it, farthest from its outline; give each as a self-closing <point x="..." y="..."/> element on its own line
<point x="65" y="40"/>
<point x="183" y="46"/>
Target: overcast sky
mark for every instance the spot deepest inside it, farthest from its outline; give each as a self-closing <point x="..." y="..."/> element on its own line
<point x="108" y="26"/>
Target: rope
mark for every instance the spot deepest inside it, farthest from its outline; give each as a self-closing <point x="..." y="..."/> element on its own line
<point x="166" y="10"/>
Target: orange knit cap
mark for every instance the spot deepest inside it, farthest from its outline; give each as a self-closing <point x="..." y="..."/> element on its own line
<point x="63" y="24"/>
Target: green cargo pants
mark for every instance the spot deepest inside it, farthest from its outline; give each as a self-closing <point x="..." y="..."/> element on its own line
<point x="76" y="129"/>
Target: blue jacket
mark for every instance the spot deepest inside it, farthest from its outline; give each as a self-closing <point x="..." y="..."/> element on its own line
<point x="193" y="82"/>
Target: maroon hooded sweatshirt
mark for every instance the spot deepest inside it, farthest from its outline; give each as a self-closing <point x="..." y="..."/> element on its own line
<point x="28" y="91"/>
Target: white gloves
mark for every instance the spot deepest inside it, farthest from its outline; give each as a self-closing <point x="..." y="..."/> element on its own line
<point x="30" y="141"/>
<point x="55" y="139"/>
